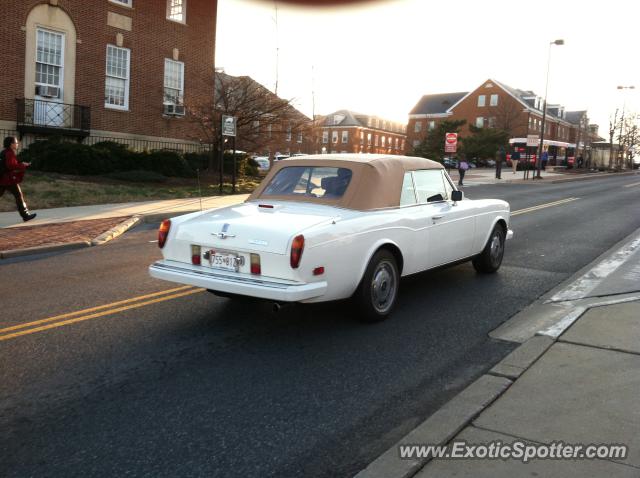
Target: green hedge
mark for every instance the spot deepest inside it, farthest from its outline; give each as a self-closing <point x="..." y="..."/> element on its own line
<point x="54" y="155"/>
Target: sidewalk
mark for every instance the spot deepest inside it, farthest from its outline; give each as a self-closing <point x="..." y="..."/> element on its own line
<point x="575" y="382"/>
<point x="83" y="226"/>
<point x="477" y="176"/>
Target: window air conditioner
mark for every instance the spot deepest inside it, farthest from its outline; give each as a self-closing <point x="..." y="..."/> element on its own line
<point x="173" y="110"/>
<point x="47" y="91"/>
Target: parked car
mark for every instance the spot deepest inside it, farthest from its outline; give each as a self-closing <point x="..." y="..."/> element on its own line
<point x="450" y="163"/>
<point x="263" y="163"/>
<point x="331" y="227"/>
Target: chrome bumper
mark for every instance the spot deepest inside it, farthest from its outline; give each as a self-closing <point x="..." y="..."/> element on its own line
<point x="234" y="283"/>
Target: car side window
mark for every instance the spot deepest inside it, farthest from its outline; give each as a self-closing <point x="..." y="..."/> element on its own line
<point x="429" y="185"/>
<point x="408" y="195"/>
<point x="448" y="187"/>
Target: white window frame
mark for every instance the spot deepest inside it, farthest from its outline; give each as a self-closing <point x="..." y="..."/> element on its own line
<point x="479" y="122"/>
<point x="180" y="64"/>
<point x="482" y="101"/>
<point x="432" y="125"/>
<point x="183" y="14"/>
<point x="493" y="100"/>
<point x="60" y="84"/>
<point x="288" y="133"/>
<point x="299" y="137"/>
<point x="124" y="3"/>
<point x="345" y="137"/>
<point x="127" y="80"/>
<point x="417" y="128"/>
<point x="334" y="137"/>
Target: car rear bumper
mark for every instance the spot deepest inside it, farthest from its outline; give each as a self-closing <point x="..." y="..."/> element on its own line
<point x="234" y="283"/>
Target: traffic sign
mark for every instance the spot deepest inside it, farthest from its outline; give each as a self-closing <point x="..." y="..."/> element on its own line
<point x="228" y="125"/>
<point x="450" y="142"/>
<point x="533" y="140"/>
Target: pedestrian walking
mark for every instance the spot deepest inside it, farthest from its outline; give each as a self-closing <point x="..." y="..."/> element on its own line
<point x="544" y="159"/>
<point x="501" y="155"/>
<point x="12" y="174"/>
<point x="515" y="157"/>
<point x="463" y="166"/>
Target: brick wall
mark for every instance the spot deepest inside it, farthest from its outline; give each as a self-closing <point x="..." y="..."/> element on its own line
<point x="151" y="39"/>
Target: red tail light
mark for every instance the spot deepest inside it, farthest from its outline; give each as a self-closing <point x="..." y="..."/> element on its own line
<point x="296" y="251"/>
<point x="163" y="232"/>
<point x="255" y="264"/>
<point x="196" y="255"/>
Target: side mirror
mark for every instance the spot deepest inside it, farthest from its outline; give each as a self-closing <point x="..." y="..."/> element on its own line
<point x="457" y="196"/>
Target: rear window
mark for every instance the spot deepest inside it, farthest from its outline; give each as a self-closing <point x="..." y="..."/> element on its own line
<point x="309" y="181"/>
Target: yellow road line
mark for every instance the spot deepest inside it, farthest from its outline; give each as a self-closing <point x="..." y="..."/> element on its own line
<point x="93" y="309"/>
<point x="543" y="206"/>
<point x="631" y="185"/>
<point x="99" y="314"/>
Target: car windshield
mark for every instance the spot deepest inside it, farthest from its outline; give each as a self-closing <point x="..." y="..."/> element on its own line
<point x="309" y="181"/>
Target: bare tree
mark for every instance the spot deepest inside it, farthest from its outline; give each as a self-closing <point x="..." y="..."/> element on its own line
<point x="613" y="123"/>
<point x="509" y="117"/>
<point x="261" y="115"/>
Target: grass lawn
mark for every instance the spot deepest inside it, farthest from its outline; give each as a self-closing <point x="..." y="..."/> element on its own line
<point x="47" y="190"/>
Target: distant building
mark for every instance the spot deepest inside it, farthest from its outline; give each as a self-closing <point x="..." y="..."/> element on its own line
<point x="347" y="132"/>
<point x="121" y="69"/>
<point x="496" y="105"/>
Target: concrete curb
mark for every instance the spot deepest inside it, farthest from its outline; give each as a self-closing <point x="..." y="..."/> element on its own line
<point x="591" y="176"/>
<point x="115" y="231"/>
<point x="160" y="216"/>
<point x="439" y="428"/>
<point x="43" y="249"/>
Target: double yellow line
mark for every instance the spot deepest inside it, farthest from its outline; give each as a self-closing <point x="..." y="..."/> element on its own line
<point x="95" y="312"/>
<point x="543" y="206"/>
<point x="148" y="299"/>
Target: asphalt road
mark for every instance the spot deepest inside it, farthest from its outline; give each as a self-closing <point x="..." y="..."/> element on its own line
<point x="196" y="385"/>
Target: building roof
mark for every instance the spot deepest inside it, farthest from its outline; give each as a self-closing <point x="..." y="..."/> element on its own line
<point x="436" y="104"/>
<point x="376" y="178"/>
<point x="574" y="116"/>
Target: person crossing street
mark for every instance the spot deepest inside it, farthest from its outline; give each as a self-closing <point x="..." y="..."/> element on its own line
<point x="12" y="174"/>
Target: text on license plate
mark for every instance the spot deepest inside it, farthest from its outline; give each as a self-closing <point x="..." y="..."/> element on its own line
<point x="222" y="260"/>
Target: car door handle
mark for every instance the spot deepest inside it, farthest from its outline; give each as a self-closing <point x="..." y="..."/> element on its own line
<point x="435" y="218"/>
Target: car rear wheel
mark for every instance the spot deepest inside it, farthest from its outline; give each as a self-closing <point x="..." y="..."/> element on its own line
<point x="490" y="259"/>
<point x="376" y="295"/>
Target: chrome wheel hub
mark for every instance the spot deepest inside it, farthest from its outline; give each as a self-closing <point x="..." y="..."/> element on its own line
<point x="383" y="287"/>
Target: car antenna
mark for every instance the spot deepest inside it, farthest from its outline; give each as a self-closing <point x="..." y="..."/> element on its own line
<point x="199" y="190"/>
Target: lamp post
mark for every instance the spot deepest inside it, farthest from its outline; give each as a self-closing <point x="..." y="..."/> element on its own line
<point x="544" y="110"/>
<point x="620" y="137"/>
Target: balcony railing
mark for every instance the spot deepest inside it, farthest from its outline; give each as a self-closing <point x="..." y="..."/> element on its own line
<point x="50" y="117"/>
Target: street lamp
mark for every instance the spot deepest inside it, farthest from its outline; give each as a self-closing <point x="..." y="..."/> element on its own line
<point x="544" y="110"/>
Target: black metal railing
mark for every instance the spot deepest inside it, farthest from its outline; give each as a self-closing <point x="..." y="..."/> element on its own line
<point x="49" y="117"/>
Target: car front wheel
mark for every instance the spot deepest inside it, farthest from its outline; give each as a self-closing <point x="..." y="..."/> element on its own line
<point x="376" y="295"/>
<point x="490" y="259"/>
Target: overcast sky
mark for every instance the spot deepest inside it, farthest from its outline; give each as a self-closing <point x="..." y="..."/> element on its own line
<point x="380" y="57"/>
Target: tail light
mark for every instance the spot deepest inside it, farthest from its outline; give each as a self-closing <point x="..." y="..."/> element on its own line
<point x="255" y="264"/>
<point x="296" y="250"/>
<point x="196" y="255"/>
<point x="163" y="232"/>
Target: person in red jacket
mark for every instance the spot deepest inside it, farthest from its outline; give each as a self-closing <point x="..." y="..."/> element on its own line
<point x="12" y="176"/>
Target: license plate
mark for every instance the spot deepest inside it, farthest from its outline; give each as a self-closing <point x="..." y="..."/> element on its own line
<point x="227" y="261"/>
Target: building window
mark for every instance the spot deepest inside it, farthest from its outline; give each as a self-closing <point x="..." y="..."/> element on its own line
<point x="49" y="64"/>
<point x="369" y="139"/>
<point x="383" y="142"/>
<point x="402" y="145"/>
<point x="479" y="122"/>
<point x="494" y="100"/>
<point x="325" y="137"/>
<point x="418" y="127"/>
<point x="384" y="124"/>
<point x="117" y="80"/>
<point x="397" y="143"/>
<point x="481" y="100"/>
<point x="177" y="10"/>
<point x="334" y="137"/>
<point x="492" y="122"/>
<point x="375" y="140"/>
<point x="288" y="135"/>
<point x="345" y="137"/>
<point x="126" y="3"/>
<point x="416" y="143"/>
<point x="432" y="125"/>
<point x="173" y="82"/>
<point x="299" y="137"/>
<point x="269" y="131"/>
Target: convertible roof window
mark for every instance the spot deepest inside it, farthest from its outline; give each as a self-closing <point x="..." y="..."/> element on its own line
<point x="310" y="181"/>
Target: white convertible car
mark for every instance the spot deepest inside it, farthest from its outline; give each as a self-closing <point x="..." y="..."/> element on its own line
<point x="329" y="227"/>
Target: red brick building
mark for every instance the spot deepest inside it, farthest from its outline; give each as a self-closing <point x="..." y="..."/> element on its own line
<point x="347" y="132"/>
<point x="496" y="105"/>
<point x="112" y="68"/>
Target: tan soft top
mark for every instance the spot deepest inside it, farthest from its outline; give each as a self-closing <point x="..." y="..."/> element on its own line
<point x="376" y="182"/>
